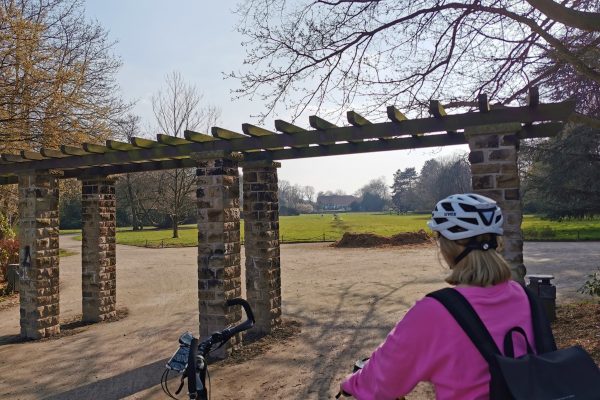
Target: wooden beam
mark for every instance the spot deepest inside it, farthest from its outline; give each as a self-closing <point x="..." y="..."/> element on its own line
<point x="73" y="151"/>
<point x="533" y="96"/>
<point x="225" y="134"/>
<point x="197" y="137"/>
<point x="51" y="153"/>
<point x="544" y="112"/>
<point x="144" y="143"/>
<point x="9" y="180"/>
<point x="356" y="119"/>
<point x="120" y="146"/>
<point x="95" y="148"/>
<point x="320" y="124"/>
<point x="437" y="109"/>
<point x="256" y="131"/>
<point x="289" y="129"/>
<point x="364" y="147"/>
<point x="541" y="130"/>
<point x="31" y="155"/>
<point x="12" y="158"/>
<point x="395" y="115"/>
<point x="483" y="103"/>
<point x="171" y="140"/>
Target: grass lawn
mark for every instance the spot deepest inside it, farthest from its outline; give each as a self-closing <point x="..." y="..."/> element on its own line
<point x="536" y="228"/>
<point x="330" y="227"/>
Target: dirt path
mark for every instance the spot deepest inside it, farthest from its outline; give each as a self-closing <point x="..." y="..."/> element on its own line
<point x="346" y="300"/>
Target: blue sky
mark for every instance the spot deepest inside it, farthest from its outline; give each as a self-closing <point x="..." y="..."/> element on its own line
<point x="199" y="40"/>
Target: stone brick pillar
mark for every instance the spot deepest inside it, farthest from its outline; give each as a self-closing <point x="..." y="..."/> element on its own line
<point x="38" y="255"/>
<point x="98" y="249"/>
<point x="219" y="269"/>
<point x="261" y="244"/>
<point x="495" y="174"/>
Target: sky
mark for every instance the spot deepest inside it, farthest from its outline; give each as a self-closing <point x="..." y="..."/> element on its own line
<point x="198" y="39"/>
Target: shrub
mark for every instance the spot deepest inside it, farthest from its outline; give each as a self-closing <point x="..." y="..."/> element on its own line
<point x="9" y="254"/>
<point x="6" y="231"/>
<point x="592" y="285"/>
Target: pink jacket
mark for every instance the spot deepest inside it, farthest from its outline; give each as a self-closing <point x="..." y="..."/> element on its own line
<point x="428" y="345"/>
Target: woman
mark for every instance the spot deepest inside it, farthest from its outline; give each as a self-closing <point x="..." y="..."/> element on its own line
<point x="428" y="344"/>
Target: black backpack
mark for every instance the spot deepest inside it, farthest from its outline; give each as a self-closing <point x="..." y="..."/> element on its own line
<point x="551" y="374"/>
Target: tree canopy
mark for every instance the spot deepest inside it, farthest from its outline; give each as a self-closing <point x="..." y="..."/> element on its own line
<point x="562" y="175"/>
<point x="57" y="75"/>
<point x="310" y="53"/>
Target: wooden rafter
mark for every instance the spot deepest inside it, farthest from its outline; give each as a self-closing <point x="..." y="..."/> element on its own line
<point x="144" y="143"/>
<point x="197" y="137"/>
<point x="51" y="153"/>
<point x="256" y="131"/>
<point x="289" y="129"/>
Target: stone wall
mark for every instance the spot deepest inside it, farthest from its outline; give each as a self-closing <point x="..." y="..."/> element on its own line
<point x="219" y="269"/>
<point x="261" y="244"/>
<point x="98" y="249"/>
<point x="38" y="255"/>
<point x="495" y="174"/>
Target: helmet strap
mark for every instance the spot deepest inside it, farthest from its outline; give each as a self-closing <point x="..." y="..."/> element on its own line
<point x="473" y="244"/>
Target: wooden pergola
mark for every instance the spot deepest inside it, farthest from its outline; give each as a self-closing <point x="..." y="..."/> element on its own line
<point x="289" y="142"/>
<point x="493" y="136"/>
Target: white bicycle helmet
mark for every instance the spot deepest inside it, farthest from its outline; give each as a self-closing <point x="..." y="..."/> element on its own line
<point x="462" y="216"/>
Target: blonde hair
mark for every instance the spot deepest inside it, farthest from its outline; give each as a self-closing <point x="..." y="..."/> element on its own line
<point x="478" y="268"/>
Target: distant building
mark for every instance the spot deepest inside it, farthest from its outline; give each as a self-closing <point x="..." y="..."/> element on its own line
<point x="336" y="202"/>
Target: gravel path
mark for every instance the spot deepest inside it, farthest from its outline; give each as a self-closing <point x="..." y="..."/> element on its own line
<point x="346" y="300"/>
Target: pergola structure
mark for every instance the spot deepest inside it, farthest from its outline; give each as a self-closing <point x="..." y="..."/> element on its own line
<point x="492" y="134"/>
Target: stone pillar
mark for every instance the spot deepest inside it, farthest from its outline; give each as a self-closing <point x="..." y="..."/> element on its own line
<point x="38" y="254"/>
<point x="261" y="244"/>
<point x="98" y="249"/>
<point x="495" y="174"/>
<point x="219" y="269"/>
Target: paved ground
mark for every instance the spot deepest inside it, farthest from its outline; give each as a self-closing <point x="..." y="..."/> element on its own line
<point x="346" y="299"/>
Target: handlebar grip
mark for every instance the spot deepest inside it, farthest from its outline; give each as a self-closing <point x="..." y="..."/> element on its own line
<point x="245" y="305"/>
<point x="191" y="368"/>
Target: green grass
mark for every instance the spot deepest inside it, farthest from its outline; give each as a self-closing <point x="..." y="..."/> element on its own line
<point x="536" y="228"/>
<point x="330" y="227"/>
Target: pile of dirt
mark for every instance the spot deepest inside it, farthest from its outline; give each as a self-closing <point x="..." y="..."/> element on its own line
<point x="372" y="240"/>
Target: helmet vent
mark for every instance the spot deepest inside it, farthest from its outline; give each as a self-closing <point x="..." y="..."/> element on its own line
<point x="467" y="207"/>
<point x="469" y="220"/>
<point x="440" y="220"/>
<point x="457" y="229"/>
<point x="447" y="206"/>
<point x="498" y="218"/>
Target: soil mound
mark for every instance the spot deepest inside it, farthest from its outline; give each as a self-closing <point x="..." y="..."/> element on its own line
<point x="372" y="240"/>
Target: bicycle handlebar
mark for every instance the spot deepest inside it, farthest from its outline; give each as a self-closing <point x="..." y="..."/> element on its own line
<point x="204" y="347"/>
<point x="247" y="324"/>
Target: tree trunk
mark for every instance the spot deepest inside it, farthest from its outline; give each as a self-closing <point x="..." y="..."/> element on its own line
<point x="134" y="212"/>
<point x="175" y="227"/>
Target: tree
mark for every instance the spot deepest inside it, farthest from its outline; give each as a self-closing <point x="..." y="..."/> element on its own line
<point x="57" y="76"/>
<point x="127" y="128"/>
<point x="403" y="189"/>
<point x="380" y="52"/>
<point x="177" y="107"/>
<point x="573" y="190"/>
<point x="374" y="196"/>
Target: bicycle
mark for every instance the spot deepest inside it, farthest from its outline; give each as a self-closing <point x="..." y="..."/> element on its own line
<point x="190" y="359"/>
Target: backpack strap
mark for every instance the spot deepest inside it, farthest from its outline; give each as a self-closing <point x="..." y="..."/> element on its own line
<point x="544" y="339"/>
<point x="469" y="321"/>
